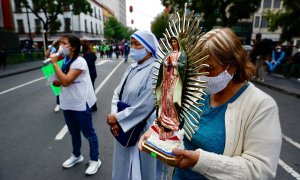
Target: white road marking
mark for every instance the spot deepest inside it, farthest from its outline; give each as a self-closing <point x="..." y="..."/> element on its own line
<point x="30" y="82"/>
<point x="61" y="133"/>
<point x="288" y="169"/>
<point x="64" y="130"/>
<point x="102" y="62"/>
<point x="106" y="79"/>
<point x="290" y="140"/>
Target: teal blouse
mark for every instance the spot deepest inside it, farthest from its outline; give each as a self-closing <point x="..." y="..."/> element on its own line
<point x="210" y="134"/>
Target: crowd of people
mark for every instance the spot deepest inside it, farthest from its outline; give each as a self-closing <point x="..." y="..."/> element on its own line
<point x="119" y="49"/>
<point x="271" y="57"/>
<point x="233" y="141"/>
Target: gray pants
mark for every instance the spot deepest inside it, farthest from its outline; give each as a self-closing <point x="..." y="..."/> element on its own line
<point x="259" y="68"/>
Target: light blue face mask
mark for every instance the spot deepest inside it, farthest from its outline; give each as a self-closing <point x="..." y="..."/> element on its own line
<point x="138" y="54"/>
<point x="217" y="83"/>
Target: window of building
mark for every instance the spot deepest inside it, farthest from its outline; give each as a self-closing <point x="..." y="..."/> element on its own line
<point x="92" y="31"/>
<point x="276" y="3"/>
<point x="20" y="24"/>
<point x="256" y="21"/>
<point x="18" y="7"/>
<point x="264" y="23"/>
<point x="99" y="14"/>
<point x="267" y="3"/>
<point x="96" y="29"/>
<point x="67" y="25"/>
<point x="85" y="25"/>
<point x="95" y="12"/>
<point x="38" y="26"/>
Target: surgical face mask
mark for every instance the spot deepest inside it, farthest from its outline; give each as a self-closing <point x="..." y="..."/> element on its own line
<point x="278" y="50"/>
<point x="63" y="51"/>
<point x="217" y="83"/>
<point x="137" y="54"/>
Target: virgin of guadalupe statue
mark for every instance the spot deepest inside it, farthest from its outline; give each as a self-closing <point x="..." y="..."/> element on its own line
<point x="169" y="91"/>
<point x="177" y="89"/>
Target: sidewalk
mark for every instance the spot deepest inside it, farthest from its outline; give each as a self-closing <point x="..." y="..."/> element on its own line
<point x="274" y="81"/>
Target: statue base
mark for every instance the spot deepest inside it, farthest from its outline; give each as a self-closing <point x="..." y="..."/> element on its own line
<point x="171" y="160"/>
<point x="162" y="149"/>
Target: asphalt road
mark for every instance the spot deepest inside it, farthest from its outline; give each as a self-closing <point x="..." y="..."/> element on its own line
<point x="28" y="128"/>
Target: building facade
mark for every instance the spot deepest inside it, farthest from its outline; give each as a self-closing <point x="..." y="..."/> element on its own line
<point x="260" y="24"/>
<point x="86" y="26"/>
<point x="118" y="8"/>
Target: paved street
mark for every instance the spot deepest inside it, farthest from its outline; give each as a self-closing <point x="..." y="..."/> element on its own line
<point x="34" y="140"/>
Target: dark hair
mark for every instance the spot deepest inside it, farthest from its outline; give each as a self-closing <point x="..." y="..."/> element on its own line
<point x="74" y="42"/>
<point x="258" y="36"/>
<point x="172" y="38"/>
<point x="86" y="46"/>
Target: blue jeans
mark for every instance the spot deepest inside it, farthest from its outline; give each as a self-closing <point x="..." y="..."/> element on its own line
<point x="81" y="121"/>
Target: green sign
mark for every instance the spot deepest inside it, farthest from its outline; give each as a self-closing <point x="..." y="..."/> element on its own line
<point x="153" y="154"/>
<point x="48" y="71"/>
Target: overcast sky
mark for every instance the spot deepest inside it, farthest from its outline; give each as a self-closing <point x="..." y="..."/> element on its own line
<point x="144" y="11"/>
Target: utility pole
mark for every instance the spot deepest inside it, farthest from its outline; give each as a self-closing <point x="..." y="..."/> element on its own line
<point x="29" y="29"/>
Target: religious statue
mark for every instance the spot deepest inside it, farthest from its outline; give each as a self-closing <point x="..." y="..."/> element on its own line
<point x="177" y="88"/>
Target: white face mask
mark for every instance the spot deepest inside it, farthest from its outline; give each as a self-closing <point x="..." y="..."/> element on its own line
<point x="217" y="83"/>
<point x="138" y="54"/>
<point x="63" y="51"/>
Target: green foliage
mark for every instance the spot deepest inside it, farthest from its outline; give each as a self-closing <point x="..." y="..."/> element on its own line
<point x="115" y="31"/>
<point x="229" y="11"/>
<point x="287" y="19"/>
<point x="159" y="24"/>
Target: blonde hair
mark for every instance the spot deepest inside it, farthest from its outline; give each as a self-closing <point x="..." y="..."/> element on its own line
<point x="224" y="46"/>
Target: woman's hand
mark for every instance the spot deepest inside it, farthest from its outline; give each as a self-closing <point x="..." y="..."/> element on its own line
<point x="54" y="58"/>
<point x="111" y="119"/>
<point x="145" y="136"/>
<point x="188" y="158"/>
<point x="56" y="83"/>
<point x="115" y="128"/>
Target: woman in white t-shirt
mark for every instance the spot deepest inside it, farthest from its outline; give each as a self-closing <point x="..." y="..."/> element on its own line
<point x="76" y="99"/>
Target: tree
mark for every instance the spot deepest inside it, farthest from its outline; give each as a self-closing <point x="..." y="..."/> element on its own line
<point x="47" y="11"/>
<point x="159" y="24"/>
<point x="114" y="30"/>
<point x="228" y="11"/>
<point x="287" y="19"/>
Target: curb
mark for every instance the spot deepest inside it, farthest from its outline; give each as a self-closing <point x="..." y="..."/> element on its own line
<point x="19" y="72"/>
<point x="279" y="89"/>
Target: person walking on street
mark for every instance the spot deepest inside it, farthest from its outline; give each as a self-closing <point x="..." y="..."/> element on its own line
<point x="126" y="51"/>
<point x="261" y="50"/>
<point x="90" y="57"/>
<point x="76" y="99"/>
<point x="117" y="51"/>
<point x="3" y="57"/>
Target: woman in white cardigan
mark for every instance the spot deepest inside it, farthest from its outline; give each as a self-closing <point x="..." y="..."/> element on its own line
<point x="239" y="134"/>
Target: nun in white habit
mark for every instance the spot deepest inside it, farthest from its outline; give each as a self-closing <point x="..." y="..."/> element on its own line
<point x="128" y="162"/>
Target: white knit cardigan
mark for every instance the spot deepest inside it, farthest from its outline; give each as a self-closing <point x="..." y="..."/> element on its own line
<point x="253" y="140"/>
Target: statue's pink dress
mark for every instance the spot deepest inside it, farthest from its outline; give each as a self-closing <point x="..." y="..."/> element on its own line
<point x="169" y="116"/>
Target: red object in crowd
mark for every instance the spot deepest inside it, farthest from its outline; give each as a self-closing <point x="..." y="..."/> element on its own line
<point x="130" y="8"/>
